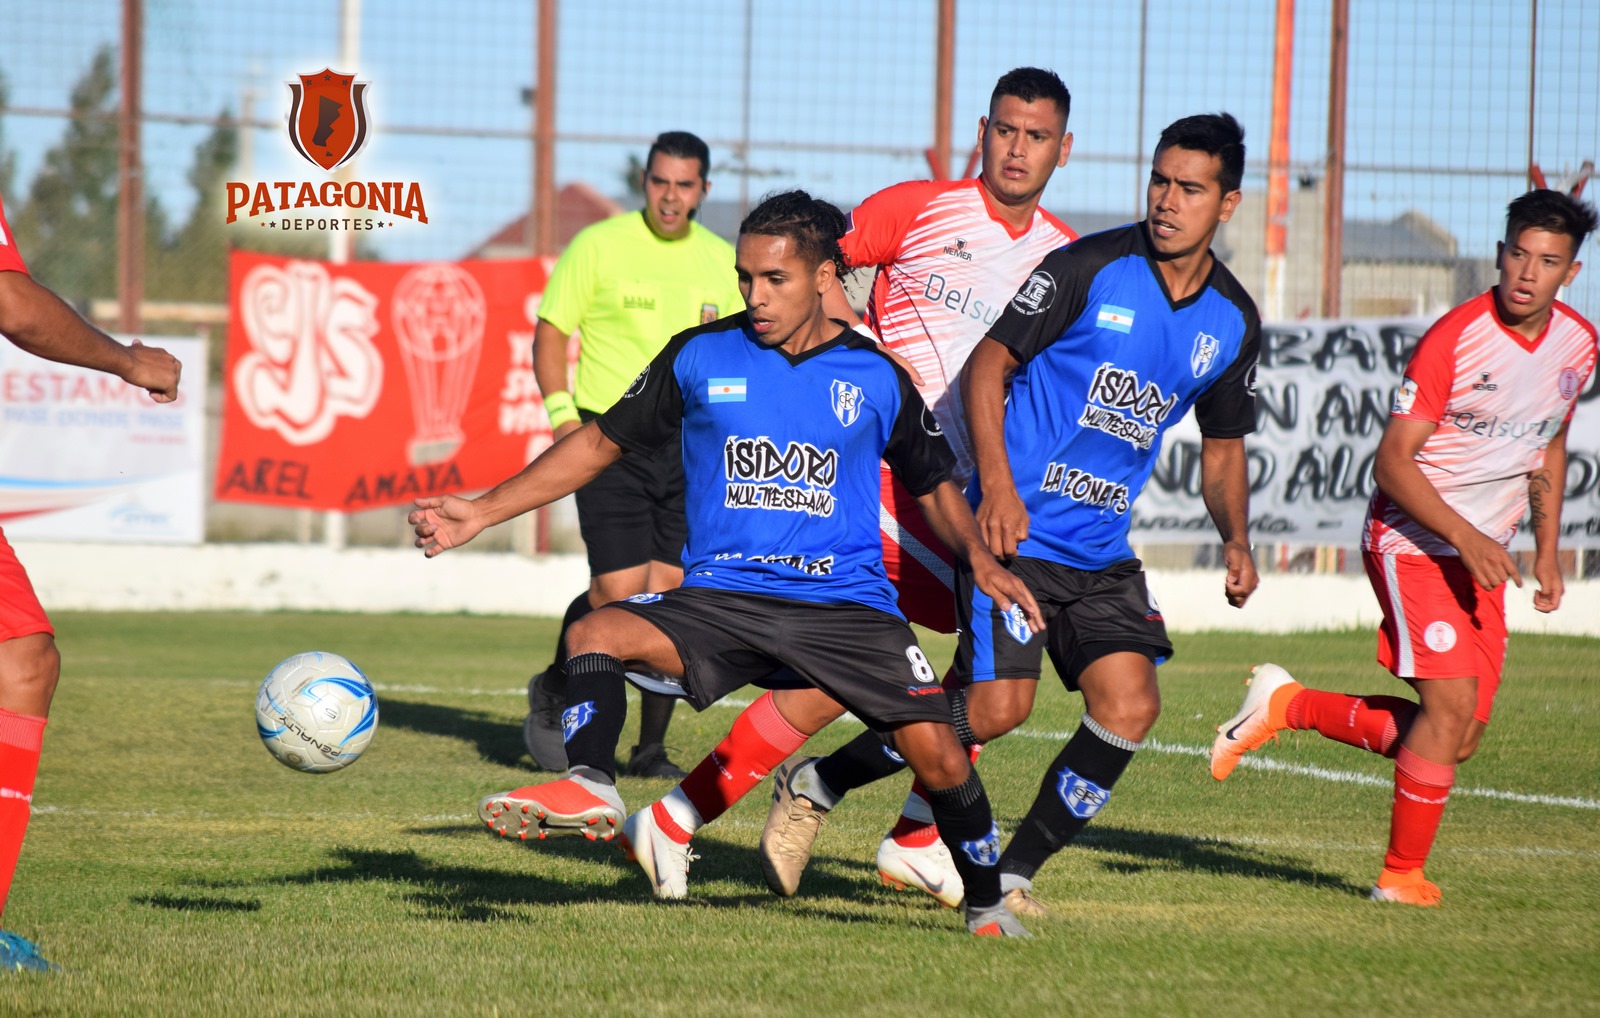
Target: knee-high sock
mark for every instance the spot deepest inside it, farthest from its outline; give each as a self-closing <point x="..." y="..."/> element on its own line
<point x="1421" y="789"/>
<point x="867" y="757"/>
<point x="21" y="736"/>
<point x="1074" y="789"/>
<point x="579" y="607"/>
<point x="760" y="740"/>
<point x="597" y="706"/>
<point x="1373" y="723"/>
<point x="915" y="828"/>
<point x="966" y="824"/>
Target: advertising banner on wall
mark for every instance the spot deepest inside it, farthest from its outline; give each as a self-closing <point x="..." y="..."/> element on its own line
<point x="354" y="386"/>
<point x="1324" y="390"/>
<point x="84" y="456"/>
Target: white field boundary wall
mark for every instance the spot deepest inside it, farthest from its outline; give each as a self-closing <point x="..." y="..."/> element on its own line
<point x="270" y="577"/>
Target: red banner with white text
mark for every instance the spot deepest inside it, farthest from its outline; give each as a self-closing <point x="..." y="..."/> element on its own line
<point x="354" y="386"/>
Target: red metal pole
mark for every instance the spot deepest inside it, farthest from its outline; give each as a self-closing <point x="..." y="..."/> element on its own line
<point x="1333" y="196"/>
<point x="130" y="200"/>
<point x="944" y="74"/>
<point x="544" y="134"/>
<point x="1278" y="161"/>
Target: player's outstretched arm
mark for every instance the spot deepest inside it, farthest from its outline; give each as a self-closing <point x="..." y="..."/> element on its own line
<point x="1225" y="486"/>
<point x="1002" y="518"/>
<point x="442" y="522"/>
<point x="1545" y="490"/>
<point x="1396" y="471"/>
<point x="44" y="325"/>
<point x="947" y="512"/>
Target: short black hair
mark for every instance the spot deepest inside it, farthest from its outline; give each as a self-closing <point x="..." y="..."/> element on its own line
<point x="814" y="225"/>
<point x="680" y="145"/>
<point x="1554" y="211"/>
<point x="1215" y="134"/>
<point x="1030" y="84"/>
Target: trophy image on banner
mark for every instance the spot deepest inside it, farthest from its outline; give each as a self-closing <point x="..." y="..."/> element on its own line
<point x="438" y="313"/>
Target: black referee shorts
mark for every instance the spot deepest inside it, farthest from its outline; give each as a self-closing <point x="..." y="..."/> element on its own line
<point x="866" y="659"/>
<point x="1088" y="613"/>
<point x="633" y="512"/>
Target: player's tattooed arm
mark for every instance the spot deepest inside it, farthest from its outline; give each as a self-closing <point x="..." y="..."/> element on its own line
<point x="1225" y="487"/>
<point x="1544" y="516"/>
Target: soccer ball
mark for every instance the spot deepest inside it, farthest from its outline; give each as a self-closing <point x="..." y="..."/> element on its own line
<point x="316" y="712"/>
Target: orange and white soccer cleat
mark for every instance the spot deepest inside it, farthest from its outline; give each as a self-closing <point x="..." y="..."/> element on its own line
<point x="1259" y="720"/>
<point x="1408" y="888"/>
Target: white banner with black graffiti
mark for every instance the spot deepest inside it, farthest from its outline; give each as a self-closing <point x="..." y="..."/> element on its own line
<point x="1324" y="389"/>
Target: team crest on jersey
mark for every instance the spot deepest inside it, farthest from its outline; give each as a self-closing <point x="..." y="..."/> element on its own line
<point x="644" y="599"/>
<point x="328" y="117"/>
<point x="1405" y="397"/>
<point x="575" y="717"/>
<point x="708" y="314"/>
<point x="1567" y="383"/>
<point x="847" y="401"/>
<point x="1017" y="624"/>
<point x="638" y="384"/>
<point x="1204" y="352"/>
<point x="1036" y="295"/>
<point x="1439" y="636"/>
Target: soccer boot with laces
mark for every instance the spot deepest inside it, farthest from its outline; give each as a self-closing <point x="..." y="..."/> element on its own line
<point x="541" y="730"/>
<point x="665" y="861"/>
<point x="1408" y="888"/>
<point x="792" y="827"/>
<point x="1019" y="901"/>
<point x="566" y="806"/>
<point x="927" y="868"/>
<point x="19" y="954"/>
<point x="1260" y="718"/>
<point x="994" y="921"/>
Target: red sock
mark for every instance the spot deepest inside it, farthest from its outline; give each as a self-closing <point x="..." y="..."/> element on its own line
<point x="1421" y="788"/>
<point x="1373" y="723"/>
<point x="21" y="735"/>
<point x="760" y="740"/>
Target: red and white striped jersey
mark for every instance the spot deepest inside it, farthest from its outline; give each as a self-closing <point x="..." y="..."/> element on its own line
<point x="1497" y="400"/>
<point x="947" y="266"/>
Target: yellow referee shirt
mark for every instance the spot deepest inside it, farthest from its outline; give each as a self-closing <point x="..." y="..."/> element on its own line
<point x="627" y="292"/>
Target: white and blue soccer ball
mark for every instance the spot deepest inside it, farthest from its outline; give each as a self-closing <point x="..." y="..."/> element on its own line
<point x="316" y="712"/>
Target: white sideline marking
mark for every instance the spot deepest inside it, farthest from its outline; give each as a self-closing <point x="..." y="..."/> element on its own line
<point x="1150" y="745"/>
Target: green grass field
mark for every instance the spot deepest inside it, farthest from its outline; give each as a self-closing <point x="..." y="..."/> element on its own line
<point x="175" y="869"/>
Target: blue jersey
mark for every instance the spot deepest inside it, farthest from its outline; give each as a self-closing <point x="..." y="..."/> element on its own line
<point x="1108" y="363"/>
<point x="780" y="458"/>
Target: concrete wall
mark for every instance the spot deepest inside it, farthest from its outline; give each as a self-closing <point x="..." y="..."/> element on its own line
<point x="266" y="577"/>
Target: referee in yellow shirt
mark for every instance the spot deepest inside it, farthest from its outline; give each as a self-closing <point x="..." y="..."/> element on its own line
<point x="627" y="285"/>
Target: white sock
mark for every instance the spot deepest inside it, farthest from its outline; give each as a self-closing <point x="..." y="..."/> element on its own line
<point x="803" y="780"/>
<point x="682" y="811"/>
<point x="917" y="808"/>
<point x="599" y="787"/>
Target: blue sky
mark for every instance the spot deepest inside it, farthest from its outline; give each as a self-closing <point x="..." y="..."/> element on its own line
<point x="1434" y="84"/>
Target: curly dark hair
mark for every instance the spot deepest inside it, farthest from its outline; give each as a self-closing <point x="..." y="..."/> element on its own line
<point x="814" y="225"/>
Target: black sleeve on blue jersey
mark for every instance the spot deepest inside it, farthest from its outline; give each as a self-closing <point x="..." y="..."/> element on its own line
<point x="1056" y="293"/>
<point x="1227" y="409"/>
<point x="650" y="412"/>
<point x="917" y="451"/>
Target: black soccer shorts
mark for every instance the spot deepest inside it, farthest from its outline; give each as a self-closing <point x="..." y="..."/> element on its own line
<point x="633" y="512"/>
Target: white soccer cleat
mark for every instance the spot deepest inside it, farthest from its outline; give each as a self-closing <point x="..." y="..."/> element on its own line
<point x="928" y="869"/>
<point x="663" y="860"/>
<point x="1260" y="718"/>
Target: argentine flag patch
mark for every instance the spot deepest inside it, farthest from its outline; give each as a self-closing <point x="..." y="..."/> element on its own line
<point x="725" y="390"/>
<point x="1113" y="317"/>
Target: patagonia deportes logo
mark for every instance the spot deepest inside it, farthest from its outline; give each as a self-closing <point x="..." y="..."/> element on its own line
<point x="575" y="717"/>
<point x="725" y="390"/>
<point x="1082" y="797"/>
<point x="1112" y="317"/>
